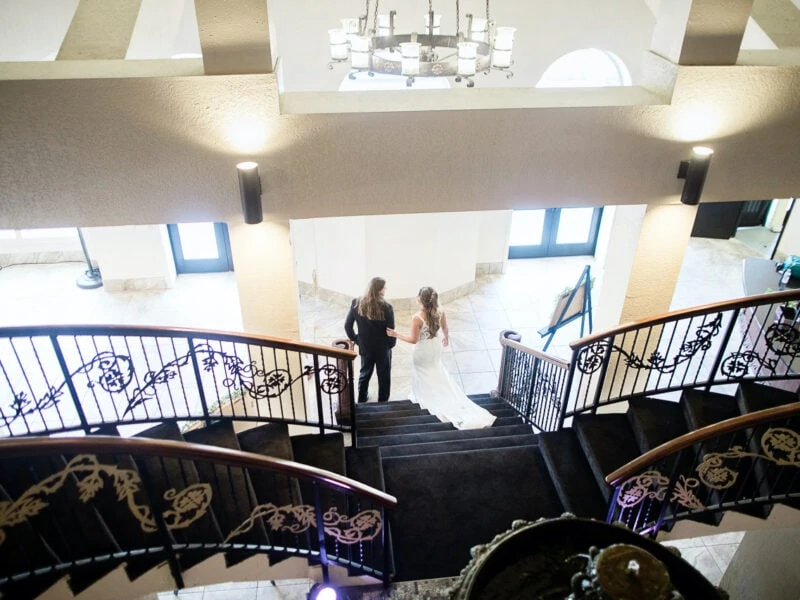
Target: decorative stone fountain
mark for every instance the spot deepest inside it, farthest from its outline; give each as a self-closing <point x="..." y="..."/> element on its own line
<point x="578" y="559"/>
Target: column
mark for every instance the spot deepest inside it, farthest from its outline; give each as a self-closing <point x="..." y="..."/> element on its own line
<point x="264" y="267"/>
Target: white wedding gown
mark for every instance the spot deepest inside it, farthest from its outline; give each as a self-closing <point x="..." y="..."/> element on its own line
<point x="434" y="389"/>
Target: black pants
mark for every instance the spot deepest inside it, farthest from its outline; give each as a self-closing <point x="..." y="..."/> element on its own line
<point x="383" y="363"/>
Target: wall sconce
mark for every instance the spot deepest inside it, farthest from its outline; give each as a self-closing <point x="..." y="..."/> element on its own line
<point x="250" y="190"/>
<point x="694" y="172"/>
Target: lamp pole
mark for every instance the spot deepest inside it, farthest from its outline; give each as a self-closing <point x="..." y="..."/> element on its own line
<point x="91" y="278"/>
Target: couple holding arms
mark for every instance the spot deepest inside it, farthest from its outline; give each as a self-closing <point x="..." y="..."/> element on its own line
<point x="432" y="387"/>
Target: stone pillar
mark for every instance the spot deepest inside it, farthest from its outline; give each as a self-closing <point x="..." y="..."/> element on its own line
<point x="100" y="30"/>
<point x="264" y="266"/>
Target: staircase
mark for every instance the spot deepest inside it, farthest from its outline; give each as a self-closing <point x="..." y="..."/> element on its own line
<point x="69" y="530"/>
<point x="457" y="489"/>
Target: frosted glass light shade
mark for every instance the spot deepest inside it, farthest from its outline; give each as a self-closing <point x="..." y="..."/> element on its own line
<point x="359" y="52"/>
<point x="467" y="54"/>
<point x="350" y="25"/>
<point x="338" y="42"/>
<point x="503" y="45"/>
<point x="479" y="30"/>
<point x="437" y="23"/>
<point x="409" y="51"/>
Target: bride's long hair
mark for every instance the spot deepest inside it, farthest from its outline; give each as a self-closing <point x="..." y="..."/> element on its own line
<point x="430" y="306"/>
<point x="371" y="305"/>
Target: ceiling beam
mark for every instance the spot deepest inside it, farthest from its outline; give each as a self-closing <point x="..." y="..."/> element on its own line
<point x="234" y="36"/>
<point x="780" y="20"/>
<point x="714" y="32"/>
<point x="100" y="30"/>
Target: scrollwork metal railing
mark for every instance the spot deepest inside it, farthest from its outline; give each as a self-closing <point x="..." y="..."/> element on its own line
<point x="747" y="461"/>
<point x="532" y="382"/>
<point x="78" y="378"/>
<point x="749" y="339"/>
<point x="151" y="500"/>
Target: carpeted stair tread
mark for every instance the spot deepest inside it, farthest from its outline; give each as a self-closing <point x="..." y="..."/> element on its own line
<point x="23" y="550"/>
<point x="441" y="517"/>
<point x="324" y="452"/>
<point x="168" y="474"/>
<point x="365" y="434"/>
<point x="503" y="441"/>
<point x="271" y="440"/>
<point x="364" y="465"/>
<point x="506" y="421"/>
<point x="751" y="397"/>
<point x="70" y="527"/>
<point x="391" y="421"/>
<point x="608" y="443"/>
<point x="655" y="422"/>
<point x="365" y="407"/>
<point x="440" y="436"/>
<point x="477" y="397"/>
<point x="234" y="499"/>
<point x="571" y="474"/>
<point x="377" y="415"/>
<point x="707" y="408"/>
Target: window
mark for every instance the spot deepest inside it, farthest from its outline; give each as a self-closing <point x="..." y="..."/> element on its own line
<point x="554" y="232"/>
<point x="589" y="67"/>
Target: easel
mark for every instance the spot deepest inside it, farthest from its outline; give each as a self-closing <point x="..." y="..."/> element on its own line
<point x="571" y="305"/>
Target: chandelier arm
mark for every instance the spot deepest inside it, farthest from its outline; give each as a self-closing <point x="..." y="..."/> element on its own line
<point x="375" y="17"/>
<point x="458" y="19"/>
<point x="487" y="12"/>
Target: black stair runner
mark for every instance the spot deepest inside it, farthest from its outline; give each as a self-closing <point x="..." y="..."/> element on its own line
<point x="456" y="488"/>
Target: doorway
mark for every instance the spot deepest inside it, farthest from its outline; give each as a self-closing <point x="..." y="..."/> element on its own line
<point x="200" y="247"/>
<point x="554" y="232"/>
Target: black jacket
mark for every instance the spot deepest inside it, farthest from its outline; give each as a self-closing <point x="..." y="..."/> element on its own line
<point x="371" y="337"/>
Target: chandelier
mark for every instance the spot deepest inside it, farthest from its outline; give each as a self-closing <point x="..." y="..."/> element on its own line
<point x="480" y="47"/>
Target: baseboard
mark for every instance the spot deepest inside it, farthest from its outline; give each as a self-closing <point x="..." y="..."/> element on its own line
<point x="490" y="268"/>
<point x="309" y="291"/>
<point x="44" y="258"/>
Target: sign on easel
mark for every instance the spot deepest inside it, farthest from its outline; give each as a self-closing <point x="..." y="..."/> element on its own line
<point x="570" y="305"/>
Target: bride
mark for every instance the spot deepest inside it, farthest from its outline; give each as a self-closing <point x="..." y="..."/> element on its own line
<point x="431" y="385"/>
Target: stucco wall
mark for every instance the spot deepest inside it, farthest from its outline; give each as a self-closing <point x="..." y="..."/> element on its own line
<point x="143" y="151"/>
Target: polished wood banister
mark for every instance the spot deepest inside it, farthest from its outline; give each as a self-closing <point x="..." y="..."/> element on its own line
<point x="42" y="446"/>
<point x="533" y="352"/>
<point x="749" y="301"/>
<point x="659" y="453"/>
<point x="176" y="332"/>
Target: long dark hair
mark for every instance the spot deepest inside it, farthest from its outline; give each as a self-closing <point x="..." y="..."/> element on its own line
<point x="430" y="306"/>
<point x="372" y="305"/>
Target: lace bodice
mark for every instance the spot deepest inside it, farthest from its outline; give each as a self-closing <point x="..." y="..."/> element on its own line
<point x="425" y="332"/>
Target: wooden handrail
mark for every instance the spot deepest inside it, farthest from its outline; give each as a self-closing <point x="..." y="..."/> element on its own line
<point x="533" y="352"/>
<point x="761" y="299"/>
<point x="41" y="446"/>
<point x="659" y="453"/>
<point x="176" y="332"/>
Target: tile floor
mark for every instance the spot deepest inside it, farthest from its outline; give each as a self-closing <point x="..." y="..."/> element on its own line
<point x="521" y="299"/>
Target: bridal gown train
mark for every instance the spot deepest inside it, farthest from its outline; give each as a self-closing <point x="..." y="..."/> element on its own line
<point x="434" y="389"/>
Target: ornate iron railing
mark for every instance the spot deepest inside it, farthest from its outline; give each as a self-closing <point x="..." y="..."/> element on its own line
<point x="531" y="382"/>
<point x="747" y="461"/>
<point x="77" y="378"/>
<point x="96" y="502"/>
<point x="748" y="339"/>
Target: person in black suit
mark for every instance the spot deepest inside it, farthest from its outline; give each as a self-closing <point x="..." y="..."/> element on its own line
<point x="372" y="315"/>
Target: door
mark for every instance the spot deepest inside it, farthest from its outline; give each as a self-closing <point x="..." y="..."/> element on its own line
<point x="200" y="247"/>
<point x="554" y="232"/>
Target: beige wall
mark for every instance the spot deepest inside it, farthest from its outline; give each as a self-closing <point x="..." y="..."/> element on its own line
<point x="143" y="151"/>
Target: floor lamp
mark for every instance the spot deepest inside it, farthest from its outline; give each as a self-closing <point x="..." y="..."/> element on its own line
<point x="91" y="278"/>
